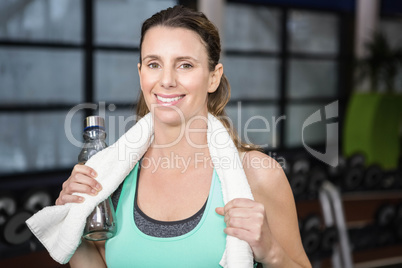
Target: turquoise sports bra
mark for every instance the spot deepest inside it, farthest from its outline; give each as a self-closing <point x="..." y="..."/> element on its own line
<point x="201" y="247"/>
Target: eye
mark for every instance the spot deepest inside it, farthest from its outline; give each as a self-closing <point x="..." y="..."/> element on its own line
<point x="153" y="65"/>
<point x="186" y="66"/>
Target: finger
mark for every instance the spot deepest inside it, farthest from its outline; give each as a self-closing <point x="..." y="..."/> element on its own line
<point x="240" y="212"/>
<point x="239" y="202"/>
<point x="85" y="170"/>
<point x="80" y="188"/>
<point x="242" y="223"/>
<point x="84" y="179"/>
<point x="64" y="199"/>
<point x="220" y="211"/>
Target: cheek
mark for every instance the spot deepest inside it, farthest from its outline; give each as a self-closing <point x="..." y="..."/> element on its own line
<point x="195" y="83"/>
<point x="147" y="82"/>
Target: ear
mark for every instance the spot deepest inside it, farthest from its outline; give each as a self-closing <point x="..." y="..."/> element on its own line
<point x="215" y="78"/>
<point x="139" y="73"/>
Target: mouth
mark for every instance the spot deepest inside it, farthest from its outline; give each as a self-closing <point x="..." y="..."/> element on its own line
<point x="169" y="99"/>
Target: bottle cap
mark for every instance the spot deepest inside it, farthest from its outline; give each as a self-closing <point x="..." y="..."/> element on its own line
<point x="94" y="121"/>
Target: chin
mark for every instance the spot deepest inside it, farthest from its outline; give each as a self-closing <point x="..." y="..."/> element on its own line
<point x="169" y="116"/>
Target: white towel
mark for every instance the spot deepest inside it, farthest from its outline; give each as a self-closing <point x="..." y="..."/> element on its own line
<point x="59" y="228"/>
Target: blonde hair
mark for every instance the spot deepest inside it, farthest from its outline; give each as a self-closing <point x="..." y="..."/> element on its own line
<point x="182" y="17"/>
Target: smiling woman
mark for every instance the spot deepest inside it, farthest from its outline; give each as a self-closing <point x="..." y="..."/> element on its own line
<point x="174" y="72"/>
<point x="173" y="217"/>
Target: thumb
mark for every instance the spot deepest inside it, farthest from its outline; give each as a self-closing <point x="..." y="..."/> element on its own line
<point x="220" y="211"/>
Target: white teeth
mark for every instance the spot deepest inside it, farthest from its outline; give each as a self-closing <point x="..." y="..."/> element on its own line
<point x="167" y="100"/>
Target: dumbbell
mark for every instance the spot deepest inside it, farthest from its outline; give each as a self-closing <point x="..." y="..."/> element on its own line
<point x="385" y="215"/>
<point x="363" y="237"/>
<point x="356" y="159"/>
<point x="14" y="231"/>
<point x="329" y="238"/>
<point x="8" y="206"/>
<point x="298" y="184"/>
<point x="391" y="180"/>
<point x="311" y="234"/>
<point x="316" y="177"/>
<point x="298" y="170"/>
<point x="398" y="222"/>
<point x="37" y="199"/>
<point x="300" y="165"/>
<point x="354" y="173"/>
<point x="348" y="174"/>
<point x="336" y="173"/>
<point x="385" y="219"/>
<point x="353" y="178"/>
<point x="372" y="177"/>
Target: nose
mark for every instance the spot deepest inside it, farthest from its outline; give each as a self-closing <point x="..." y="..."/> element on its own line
<point x="168" y="78"/>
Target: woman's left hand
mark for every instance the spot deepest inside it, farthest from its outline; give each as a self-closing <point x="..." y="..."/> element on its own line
<point x="246" y="219"/>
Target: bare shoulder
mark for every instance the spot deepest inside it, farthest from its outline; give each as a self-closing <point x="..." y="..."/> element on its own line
<point x="265" y="174"/>
<point x="271" y="188"/>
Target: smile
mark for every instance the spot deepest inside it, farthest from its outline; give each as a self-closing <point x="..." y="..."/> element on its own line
<point x="169" y="99"/>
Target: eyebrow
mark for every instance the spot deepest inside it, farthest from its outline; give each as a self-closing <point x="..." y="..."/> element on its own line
<point x="151" y="57"/>
<point x="187" y="58"/>
<point x="156" y="57"/>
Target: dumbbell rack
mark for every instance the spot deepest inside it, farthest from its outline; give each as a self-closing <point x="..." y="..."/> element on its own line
<point x="360" y="211"/>
<point x="332" y="209"/>
<point x="344" y="210"/>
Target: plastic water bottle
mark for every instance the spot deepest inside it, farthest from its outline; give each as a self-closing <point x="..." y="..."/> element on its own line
<point x="100" y="223"/>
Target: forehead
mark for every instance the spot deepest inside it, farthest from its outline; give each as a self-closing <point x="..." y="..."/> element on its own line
<point x="164" y="39"/>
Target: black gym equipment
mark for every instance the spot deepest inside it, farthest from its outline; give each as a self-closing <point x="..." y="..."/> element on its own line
<point x="385" y="215"/>
<point x="336" y="172"/>
<point x="329" y="238"/>
<point x="37" y="199"/>
<point x="14" y="231"/>
<point x="316" y="178"/>
<point x="391" y="180"/>
<point x="8" y="206"/>
<point x="363" y="238"/>
<point x="311" y="234"/>
<point x="356" y="159"/>
<point x="298" y="183"/>
<point x="300" y="165"/>
<point x="387" y="225"/>
<point x="349" y="174"/>
<point x="372" y="177"/>
<point x="353" y="178"/>
<point x="297" y="171"/>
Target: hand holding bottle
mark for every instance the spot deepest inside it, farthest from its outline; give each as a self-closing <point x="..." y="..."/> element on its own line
<point x="82" y="180"/>
<point x="100" y="223"/>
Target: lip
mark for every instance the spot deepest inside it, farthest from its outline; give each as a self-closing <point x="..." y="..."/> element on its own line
<point x="169" y="96"/>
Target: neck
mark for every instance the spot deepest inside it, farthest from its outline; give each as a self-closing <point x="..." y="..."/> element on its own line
<point x="185" y="141"/>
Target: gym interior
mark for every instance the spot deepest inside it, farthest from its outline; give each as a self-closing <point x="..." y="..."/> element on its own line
<point x="316" y="84"/>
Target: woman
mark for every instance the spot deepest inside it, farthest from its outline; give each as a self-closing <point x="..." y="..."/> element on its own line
<point x="179" y="216"/>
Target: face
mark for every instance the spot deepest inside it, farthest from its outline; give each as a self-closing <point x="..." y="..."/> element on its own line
<point x="174" y="74"/>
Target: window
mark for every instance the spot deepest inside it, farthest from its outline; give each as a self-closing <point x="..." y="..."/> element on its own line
<point x="391" y="27"/>
<point x="55" y="55"/>
<point x="282" y="64"/>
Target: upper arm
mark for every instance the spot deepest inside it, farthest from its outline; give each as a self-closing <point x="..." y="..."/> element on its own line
<point x="270" y="187"/>
<point x="100" y="246"/>
<point x="89" y="254"/>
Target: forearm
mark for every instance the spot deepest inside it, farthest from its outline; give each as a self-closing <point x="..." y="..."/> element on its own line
<point x="279" y="258"/>
<point x="87" y="255"/>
